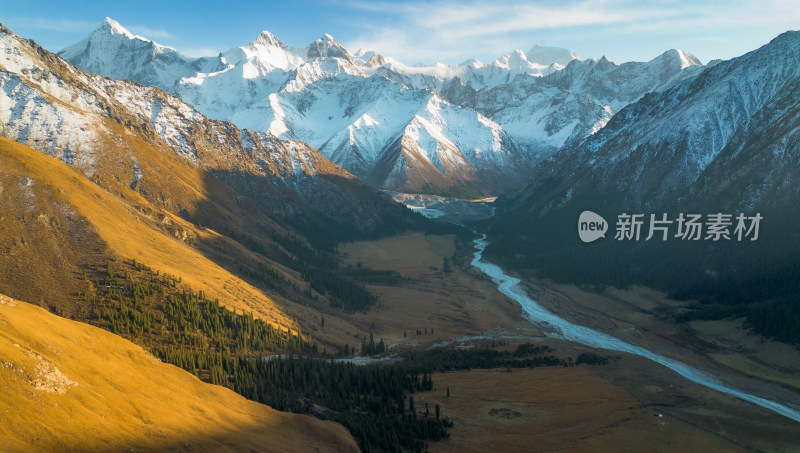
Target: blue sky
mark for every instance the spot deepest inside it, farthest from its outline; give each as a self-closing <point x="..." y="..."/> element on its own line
<point x="426" y="31"/>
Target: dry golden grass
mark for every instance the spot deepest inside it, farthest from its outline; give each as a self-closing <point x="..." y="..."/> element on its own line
<point x="453" y="304"/>
<point x="554" y="409"/>
<point x="44" y="245"/>
<point x="128" y="232"/>
<point x="72" y="387"/>
<point x="410" y="254"/>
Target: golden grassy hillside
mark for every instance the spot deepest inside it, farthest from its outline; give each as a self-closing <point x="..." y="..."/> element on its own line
<point x="232" y="213"/>
<point x="68" y="386"/>
<point x="124" y="230"/>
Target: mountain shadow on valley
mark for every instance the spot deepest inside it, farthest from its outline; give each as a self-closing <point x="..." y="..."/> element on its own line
<point x="280" y="231"/>
<point x="758" y="280"/>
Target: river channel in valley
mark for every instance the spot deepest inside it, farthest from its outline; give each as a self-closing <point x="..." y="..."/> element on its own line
<point x="558" y="327"/>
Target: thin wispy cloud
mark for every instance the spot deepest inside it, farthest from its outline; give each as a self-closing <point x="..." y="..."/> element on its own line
<point x="481" y="20"/>
<point x="423" y="30"/>
<point x="60" y="25"/>
<point x="150" y="33"/>
<point x="449" y="31"/>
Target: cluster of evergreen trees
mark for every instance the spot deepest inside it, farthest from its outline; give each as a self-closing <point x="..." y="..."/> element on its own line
<point x="776" y="318"/>
<point x="235" y="350"/>
<point x="131" y="300"/>
<point x="369" y="400"/>
<point x="343" y="292"/>
<point x="375" y="402"/>
<point x="372" y="348"/>
<point x="383" y="277"/>
<point x="526" y="355"/>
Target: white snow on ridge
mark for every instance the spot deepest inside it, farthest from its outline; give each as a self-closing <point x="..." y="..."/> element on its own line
<point x="53" y="128"/>
<point x="116" y="28"/>
<point x="353" y="109"/>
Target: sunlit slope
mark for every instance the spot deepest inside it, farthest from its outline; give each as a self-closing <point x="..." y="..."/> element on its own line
<point x="125" y="231"/>
<point x="68" y="386"/>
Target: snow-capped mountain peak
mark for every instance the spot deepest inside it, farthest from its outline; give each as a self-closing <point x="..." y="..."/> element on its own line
<point x="326" y="46"/>
<point x="400" y="126"/>
<point x="516" y="60"/>
<point x="265" y="38"/>
<point x="144" y="60"/>
<point x="687" y="59"/>
<point x="263" y="55"/>
<point x="474" y="62"/>
<point x="109" y="30"/>
<point x="114" y="27"/>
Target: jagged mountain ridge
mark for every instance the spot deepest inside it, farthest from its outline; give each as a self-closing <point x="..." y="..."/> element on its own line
<point x="725" y="141"/>
<point x="476" y="125"/>
<point x="148" y="62"/>
<point x="179" y="168"/>
<point x="682" y="141"/>
<point x="59" y="110"/>
<point x="241" y="215"/>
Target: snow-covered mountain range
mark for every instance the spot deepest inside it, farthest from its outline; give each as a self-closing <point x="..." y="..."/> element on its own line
<point x="126" y="136"/>
<point x="724" y="141"/>
<point x="737" y="121"/>
<point x="464" y="129"/>
<point x="723" y="144"/>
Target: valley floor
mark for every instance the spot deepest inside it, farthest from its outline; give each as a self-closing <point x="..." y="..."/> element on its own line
<point x="440" y="304"/>
<point x="558" y="409"/>
<point x="583" y="408"/>
<point x="629" y="404"/>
